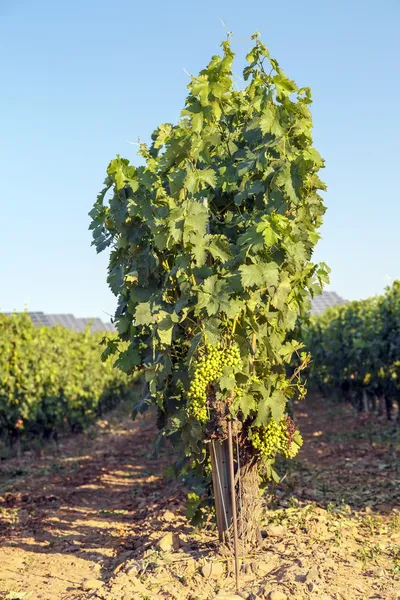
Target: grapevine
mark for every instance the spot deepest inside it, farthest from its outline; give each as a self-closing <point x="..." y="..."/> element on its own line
<point x="211" y="242"/>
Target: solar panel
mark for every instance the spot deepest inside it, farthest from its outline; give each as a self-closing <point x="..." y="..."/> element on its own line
<point x="95" y="325"/>
<point x="324" y="301"/>
<point x="44" y="320"/>
<point x="39" y="319"/>
<point x="71" y="322"/>
<point x="57" y="320"/>
<point x="82" y="324"/>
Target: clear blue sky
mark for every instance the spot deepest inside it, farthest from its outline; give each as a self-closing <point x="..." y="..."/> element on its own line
<point x="80" y="78"/>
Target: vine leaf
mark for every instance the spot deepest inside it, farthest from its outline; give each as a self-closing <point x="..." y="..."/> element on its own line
<point x="165" y="328"/>
<point x="143" y="315"/>
<point x="227" y="383"/>
<point x="245" y="404"/>
<point x="274" y="406"/>
<point x="281" y="293"/>
<point x="259" y="275"/>
<point x="269" y="122"/>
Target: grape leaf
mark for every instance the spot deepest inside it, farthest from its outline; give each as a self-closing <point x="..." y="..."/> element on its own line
<point x="259" y="275"/>
<point x="143" y="315"/>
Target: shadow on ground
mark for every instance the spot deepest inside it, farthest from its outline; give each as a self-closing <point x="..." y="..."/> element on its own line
<point x="345" y="459"/>
<point x="97" y="500"/>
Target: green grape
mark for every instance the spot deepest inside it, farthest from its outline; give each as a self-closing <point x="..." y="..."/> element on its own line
<point x="277" y="438"/>
<point x="238" y="391"/>
<point x="207" y="369"/>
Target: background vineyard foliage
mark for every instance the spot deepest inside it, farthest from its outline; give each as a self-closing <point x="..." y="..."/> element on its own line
<point x="212" y="240"/>
<point x="356" y="350"/>
<point x="52" y="379"/>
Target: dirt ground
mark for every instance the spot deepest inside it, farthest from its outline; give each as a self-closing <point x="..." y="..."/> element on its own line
<point x="96" y="517"/>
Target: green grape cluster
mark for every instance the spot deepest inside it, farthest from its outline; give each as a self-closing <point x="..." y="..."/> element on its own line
<point x="207" y="466"/>
<point x="209" y="367"/>
<point x="238" y="392"/>
<point x="277" y="438"/>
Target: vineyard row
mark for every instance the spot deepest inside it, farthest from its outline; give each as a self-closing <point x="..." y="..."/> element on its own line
<point x="52" y="380"/>
<point x="355" y="352"/>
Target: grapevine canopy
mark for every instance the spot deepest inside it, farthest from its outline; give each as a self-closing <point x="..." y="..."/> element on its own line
<point x="212" y="241"/>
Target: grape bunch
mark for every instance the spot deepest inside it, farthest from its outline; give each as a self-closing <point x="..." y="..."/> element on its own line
<point x="207" y="369"/>
<point x="277" y="438"/>
<point x="238" y="392"/>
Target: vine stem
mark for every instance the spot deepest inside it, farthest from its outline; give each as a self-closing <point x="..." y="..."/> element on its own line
<point x="253" y="350"/>
<point x="300" y="367"/>
<point x="235" y="320"/>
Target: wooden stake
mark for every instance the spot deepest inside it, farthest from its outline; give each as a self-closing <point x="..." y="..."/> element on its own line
<point x="233" y="497"/>
<point x="219" y="454"/>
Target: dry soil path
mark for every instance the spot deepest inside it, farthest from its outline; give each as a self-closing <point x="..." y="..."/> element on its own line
<point x="86" y="519"/>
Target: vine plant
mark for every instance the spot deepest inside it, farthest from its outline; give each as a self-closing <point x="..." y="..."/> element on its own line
<point x="212" y="240"/>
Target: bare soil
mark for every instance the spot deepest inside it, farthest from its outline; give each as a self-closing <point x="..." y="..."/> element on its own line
<point x="97" y="517"/>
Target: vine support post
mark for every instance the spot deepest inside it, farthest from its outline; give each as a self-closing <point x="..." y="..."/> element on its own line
<point x="233" y="499"/>
<point x="219" y="454"/>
